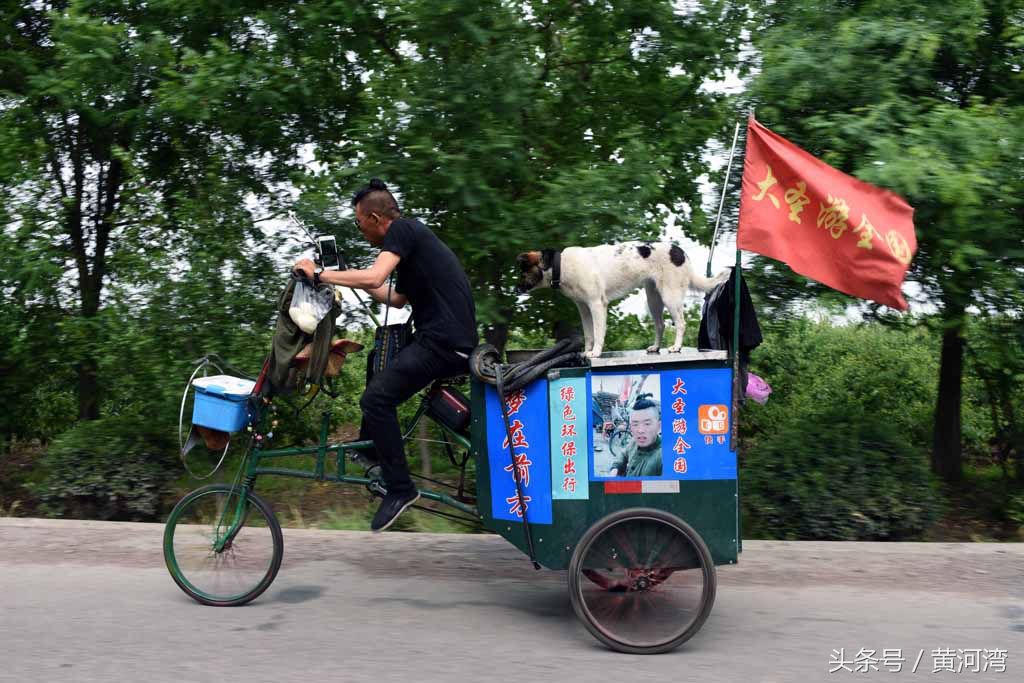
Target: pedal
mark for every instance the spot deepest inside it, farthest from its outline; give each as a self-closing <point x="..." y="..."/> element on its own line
<point x="376" y="488"/>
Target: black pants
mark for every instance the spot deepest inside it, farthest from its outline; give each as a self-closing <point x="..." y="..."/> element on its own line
<point x="415" y="367"/>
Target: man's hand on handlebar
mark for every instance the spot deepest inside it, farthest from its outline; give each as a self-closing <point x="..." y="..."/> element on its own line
<point x="306" y="266"/>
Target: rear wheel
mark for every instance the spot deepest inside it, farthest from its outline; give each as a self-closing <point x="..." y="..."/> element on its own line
<point x="222" y="545"/>
<point x="642" y="581"/>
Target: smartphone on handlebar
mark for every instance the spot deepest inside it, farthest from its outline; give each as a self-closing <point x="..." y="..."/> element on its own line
<point x="330" y="257"/>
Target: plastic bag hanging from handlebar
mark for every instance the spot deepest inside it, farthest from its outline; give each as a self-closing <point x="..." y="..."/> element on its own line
<point x="309" y="305"/>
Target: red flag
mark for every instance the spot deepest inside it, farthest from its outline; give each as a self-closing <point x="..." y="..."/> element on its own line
<point x="822" y="223"/>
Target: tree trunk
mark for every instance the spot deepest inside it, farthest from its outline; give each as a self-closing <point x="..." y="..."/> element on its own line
<point x="946" y="448"/>
<point x="90" y="280"/>
<point x="88" y="368"/>
<point x="497" y="335"/>
<point x="88" y="390"/>
<point x="90" y="287"/>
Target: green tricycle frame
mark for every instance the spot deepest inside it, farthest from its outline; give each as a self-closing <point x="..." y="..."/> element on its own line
<point x="641" y="565"/>
<point x="232" y="515"/>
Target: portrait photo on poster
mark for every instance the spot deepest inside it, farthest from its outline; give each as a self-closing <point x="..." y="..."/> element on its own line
<point x="627" y="426"/>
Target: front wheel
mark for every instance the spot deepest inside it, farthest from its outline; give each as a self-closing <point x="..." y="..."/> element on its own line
<point x="642" y="581"/>
<point x="222" y="545"/>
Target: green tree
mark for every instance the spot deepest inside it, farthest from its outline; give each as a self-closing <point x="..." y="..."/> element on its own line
<point x="517" y="126"/>
<point x="832" y="455"/>
<point x="996" y="358"/>
<point x="134" y="134"/>
<point x="931" y="105"/>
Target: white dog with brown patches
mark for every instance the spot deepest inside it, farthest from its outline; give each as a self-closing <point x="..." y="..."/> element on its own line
<point x="593" y="277"/>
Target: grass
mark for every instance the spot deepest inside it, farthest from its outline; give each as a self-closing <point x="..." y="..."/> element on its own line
<point x="10" y="510"/>
<point x="357" y="518"/>
<point x="346" y="519"/>
<point x="986" y="506"/>
<point x="19" y="466"/>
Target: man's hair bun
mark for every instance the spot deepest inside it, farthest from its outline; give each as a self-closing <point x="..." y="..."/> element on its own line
<point x="380" y="200"/>
<point x="645" y="401"/>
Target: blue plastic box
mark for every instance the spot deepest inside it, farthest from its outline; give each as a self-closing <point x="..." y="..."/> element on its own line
<point x="222" y="402"/>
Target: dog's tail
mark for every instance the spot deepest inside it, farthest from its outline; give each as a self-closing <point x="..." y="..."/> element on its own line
<point x="703" y="284"/>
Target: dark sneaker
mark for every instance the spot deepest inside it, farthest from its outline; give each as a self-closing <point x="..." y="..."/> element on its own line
<point x="393" y="505"/>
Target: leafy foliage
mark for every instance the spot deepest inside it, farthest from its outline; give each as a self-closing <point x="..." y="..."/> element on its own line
<point x="836" y="452"/>
<point x="147" y="149"/>
<point x="843" y="480"/>
<point x="133" y="137"/>
<point x="113" y="468"/>
<point x="493" y="116"/>
<point x="1015" y="509"/>
<point x="995" y="358"/>
<point x="928" y="104"/>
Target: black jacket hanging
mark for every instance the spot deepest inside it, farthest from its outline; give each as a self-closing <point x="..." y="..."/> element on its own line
<point x="717" y="314"/>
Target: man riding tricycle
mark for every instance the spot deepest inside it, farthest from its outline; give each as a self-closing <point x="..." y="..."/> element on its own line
<point x="640" y="543"/>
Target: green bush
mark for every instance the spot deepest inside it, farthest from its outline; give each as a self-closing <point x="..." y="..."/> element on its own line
<point x="840" y="452"/>
<point x="114" y="468"/>
<point x="1015" y="509"/>
<point x="833" y="478"/>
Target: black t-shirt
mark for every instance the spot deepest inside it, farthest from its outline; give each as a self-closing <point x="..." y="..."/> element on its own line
<point x="431" y="277"/>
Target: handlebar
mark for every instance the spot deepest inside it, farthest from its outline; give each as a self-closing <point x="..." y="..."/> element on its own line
<point x="299" y="276"/>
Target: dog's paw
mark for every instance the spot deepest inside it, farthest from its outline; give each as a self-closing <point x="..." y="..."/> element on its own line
<point x="653" y="348"/>
<point x="592" y="354"/>
<point x="675" y="349"/>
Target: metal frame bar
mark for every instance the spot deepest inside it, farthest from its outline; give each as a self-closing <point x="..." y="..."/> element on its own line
<point x="253" y="468"/>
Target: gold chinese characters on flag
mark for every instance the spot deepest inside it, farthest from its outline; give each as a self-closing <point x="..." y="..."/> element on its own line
<point x="822" y="223"/>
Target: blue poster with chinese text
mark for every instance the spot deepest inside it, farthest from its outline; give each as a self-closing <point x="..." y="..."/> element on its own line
<point x="528" y="418"/>
<point x="662" y="425"/>
<point x="570" y="452"/>
<point x="695" y="423"/>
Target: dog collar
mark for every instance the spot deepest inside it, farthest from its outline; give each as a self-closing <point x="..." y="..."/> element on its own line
<point x="556" y="270"/>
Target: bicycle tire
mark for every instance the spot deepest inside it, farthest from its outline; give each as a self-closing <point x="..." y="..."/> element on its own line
<point x="633" y="605"/>
<point x="179" y="542"/>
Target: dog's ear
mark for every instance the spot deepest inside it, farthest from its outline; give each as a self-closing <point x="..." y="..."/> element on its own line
<point x="527" y="259"/>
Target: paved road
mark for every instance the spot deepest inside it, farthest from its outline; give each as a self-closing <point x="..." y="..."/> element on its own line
<point x="91" y="601"/>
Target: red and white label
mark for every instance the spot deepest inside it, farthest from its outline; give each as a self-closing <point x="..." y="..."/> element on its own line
<point x="653" y="486"/>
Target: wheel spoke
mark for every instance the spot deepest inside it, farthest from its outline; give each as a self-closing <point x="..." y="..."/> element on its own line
<point x="641" y="581"/>
<point x="625" y="543"/>
<point x="247" y="562"/>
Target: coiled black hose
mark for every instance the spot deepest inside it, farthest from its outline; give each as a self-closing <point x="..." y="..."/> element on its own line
<point x="484" y="360"/>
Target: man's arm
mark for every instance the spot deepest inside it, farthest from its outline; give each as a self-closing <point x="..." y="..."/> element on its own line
<point x="372" y="279"/>
<point x="380" y="295"/>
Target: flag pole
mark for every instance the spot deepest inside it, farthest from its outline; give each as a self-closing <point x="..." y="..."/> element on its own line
<point x="737" y="389"/>
<point x="721" y="202"/>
